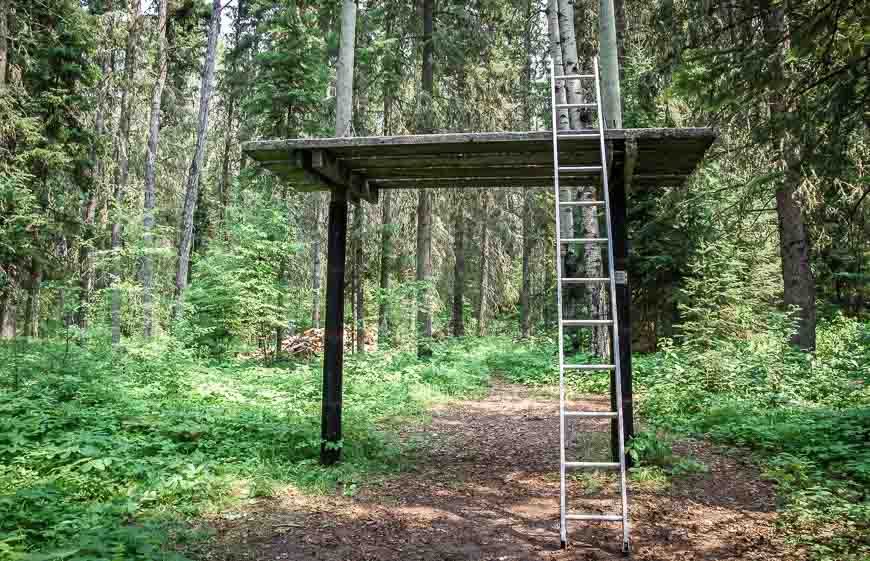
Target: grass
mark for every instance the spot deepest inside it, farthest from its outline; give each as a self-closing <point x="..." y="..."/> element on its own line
<point x="104" y="452"/>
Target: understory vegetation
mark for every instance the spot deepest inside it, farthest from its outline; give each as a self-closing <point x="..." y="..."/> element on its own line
<point x="101" y="451"/>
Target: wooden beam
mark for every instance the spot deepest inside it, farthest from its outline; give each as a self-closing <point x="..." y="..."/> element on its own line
<point x="333" y="348"/>
<point x="619" y="232"/>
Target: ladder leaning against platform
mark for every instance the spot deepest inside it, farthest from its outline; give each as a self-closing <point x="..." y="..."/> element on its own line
<point x="610" y="279"/>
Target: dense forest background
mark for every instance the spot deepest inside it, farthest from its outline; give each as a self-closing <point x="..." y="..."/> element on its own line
<point x="128" y="206"/>
<point x="138" y="245"/>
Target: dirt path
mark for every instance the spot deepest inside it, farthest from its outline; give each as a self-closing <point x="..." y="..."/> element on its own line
<point x="486" y="488"/>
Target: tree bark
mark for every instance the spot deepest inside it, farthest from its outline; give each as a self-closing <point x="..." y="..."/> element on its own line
<point x="459" y="267"/>
<point x="611" y="101"/>
<point x="424" y="198"/>
<point x="344" y="74"/>
<point x="526" y="289"/>
<point x="4" y="44"/>
<point x="358" y="280"/>
<point x="386" y="261"/>
<point x="31" y="309"/>
<point x="556" y="54"/>
<point x="121" y="156"/>
<point x="568" y="43"/>
<point x="9" y="305"/>
<point x="315" y="260"/>
<point x="483" y="287"/>
<point x="192" y="193"/>
<point x="797" y="275"/>
<point x="150" y="173"/>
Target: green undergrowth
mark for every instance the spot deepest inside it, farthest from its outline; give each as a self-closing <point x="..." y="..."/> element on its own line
<point x="103" y="453"/>
<point x="806" y="418"/>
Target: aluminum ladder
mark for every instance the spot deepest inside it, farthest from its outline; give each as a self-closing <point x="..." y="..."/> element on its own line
<point x="564" y="465"/>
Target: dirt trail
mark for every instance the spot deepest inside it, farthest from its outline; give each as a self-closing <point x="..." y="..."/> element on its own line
<point x="486" y="488"/>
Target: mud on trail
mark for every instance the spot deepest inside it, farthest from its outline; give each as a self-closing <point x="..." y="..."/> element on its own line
<point x="486" y="487"/>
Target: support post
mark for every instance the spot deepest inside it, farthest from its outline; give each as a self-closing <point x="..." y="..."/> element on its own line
<point x="333" y="351"/>
<point x="618" y="221"/>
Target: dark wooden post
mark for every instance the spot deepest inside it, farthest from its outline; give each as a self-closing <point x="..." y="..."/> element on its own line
<point x="618" y="221"/>
<point x="333" y="345"/>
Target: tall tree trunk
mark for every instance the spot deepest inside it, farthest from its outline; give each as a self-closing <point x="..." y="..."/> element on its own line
<point x="556" y="54"/>
<point x="9" y="305"/>
<point x="86" y="259"/>
<point x="526" y="288"/>
<point x="191" y="196"/>
<point x="483" y="286"/>
<point x="4" y="43"/>
<point x="359" y="277"/>
<point x="568" y="44"/>
<point x="797" y="275"/>
<point x="344" y="74"/>
<point x="150" y="173"/>
<point x="459" y="266"/>
<point x="611" y="101"/>
<point x="424" y="198"/>
<point x="122" y="157"/>
<point x="316" y="200"/>
<point x="619" y="14"/>
<point x="386" y="261"/>
<point x="31" y="309"/>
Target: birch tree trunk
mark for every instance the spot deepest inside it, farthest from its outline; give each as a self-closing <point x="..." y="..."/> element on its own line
<point x="568" y="44"/>
<point x="424" y="198"/>
<point x="192" y="193"/>
<point x="122" y="157"/>
<point x="150" y="173"/>
<point x="556" y="54"/>
<point x="483" y="287"/>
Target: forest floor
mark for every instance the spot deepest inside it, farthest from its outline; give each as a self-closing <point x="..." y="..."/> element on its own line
<point x="485" y="487"/>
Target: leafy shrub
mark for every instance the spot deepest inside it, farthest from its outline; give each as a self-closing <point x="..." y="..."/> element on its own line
<point x="102" y="451"/>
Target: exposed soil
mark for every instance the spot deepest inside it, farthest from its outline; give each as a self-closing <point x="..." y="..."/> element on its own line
<point x="485" y="487"/>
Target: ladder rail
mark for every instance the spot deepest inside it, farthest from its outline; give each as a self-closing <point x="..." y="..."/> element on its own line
<point x="563" y="531"/>
<point x="615" y="367"/>
<point x="615" y="331"/>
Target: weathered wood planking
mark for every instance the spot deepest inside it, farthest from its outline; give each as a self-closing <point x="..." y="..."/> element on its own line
<point x="363" y="165"/>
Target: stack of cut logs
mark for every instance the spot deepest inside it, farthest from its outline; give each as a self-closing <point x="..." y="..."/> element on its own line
<point x="310" y="342"/>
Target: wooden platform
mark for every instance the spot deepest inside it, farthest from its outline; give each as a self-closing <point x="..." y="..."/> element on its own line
<point x="648" y="158"/>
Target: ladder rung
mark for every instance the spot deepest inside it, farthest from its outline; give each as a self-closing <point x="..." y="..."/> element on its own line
<point x="581" y="203"/>
<point x="573" y="105"/>
<point x="572" y="280"/>
<point x="574" y="77"/>
<point x="583" y="240"/>
<point x="589" y="366"/>
<point x="593" y="465"/>
<point x="610" y="414"/>
<point x="582" y="322"/>
<point x="579" y="168"/>
<point x="601" y="517"/>
<point x="578" y="134"/>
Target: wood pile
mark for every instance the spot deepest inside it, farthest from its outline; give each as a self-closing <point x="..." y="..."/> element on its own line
<point x="310" y="342"/>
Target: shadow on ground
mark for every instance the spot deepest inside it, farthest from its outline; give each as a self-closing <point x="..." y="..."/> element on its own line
<point x="486" y="487"/>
